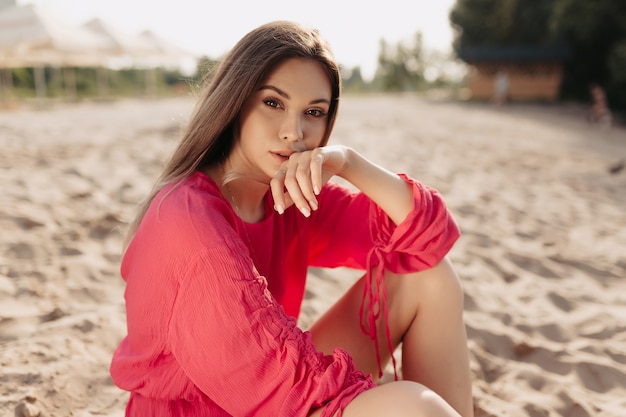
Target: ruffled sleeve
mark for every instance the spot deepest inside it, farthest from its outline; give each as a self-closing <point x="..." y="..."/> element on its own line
<point x="421" y="240"/>
<point x="240" y="348"/>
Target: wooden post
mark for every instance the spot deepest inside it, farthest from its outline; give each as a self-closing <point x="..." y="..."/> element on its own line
<point x="40" y="82"/>
<point x="69" y="82"/>
<point x="103" y="82"/>
<point x="151" y="81"/>
<point x="6" y="85"/>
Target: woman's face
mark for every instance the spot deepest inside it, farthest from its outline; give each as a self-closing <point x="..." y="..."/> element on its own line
<point x="288" y="113"/>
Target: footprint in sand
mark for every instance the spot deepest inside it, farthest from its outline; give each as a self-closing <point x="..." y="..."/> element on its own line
<point x="560" y="302"/>
<point x="600" y="377"/>
<point x="27" y="408"/>
<point x="533" y="265"/>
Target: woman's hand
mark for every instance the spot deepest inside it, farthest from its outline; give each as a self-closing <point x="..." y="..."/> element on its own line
<point x="300" y="179"/>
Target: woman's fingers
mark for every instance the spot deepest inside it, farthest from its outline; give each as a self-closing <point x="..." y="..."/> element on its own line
<point x="300" y="179"/>
<point x="298" y="182"/>
<point x="277" y="187"/>
<point x="298" y="185"/>
<point x="317" y="162"/>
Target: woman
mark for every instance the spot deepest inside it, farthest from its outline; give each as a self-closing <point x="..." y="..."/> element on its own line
<point x="217" y="258"/>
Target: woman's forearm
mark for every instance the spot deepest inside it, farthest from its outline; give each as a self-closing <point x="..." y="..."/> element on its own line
<point x="390" y="192"/>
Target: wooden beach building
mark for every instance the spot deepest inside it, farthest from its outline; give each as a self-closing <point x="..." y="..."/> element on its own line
<point x="532" y="73"/>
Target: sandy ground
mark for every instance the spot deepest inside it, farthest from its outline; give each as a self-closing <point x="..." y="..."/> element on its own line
<point x="542" y="256"/>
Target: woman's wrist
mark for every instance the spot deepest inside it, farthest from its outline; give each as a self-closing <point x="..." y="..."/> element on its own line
<point x="348" y="162"/>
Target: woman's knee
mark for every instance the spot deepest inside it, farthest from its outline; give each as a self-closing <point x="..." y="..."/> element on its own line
<point x="399" y="399"/>
<point x="435" y="284"/>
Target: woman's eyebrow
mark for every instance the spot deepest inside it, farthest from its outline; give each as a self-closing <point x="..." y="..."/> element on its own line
<point x="287" y="96"/>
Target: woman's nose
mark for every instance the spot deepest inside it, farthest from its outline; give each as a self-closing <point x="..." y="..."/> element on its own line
<point x="291" y="129"/>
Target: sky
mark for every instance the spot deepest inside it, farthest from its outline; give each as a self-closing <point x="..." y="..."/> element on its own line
<point x="354" y="29"/>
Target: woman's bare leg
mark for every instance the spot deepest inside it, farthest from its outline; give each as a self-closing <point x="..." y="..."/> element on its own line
<point x="397" y="399"/>
<point x="426" y="315"/>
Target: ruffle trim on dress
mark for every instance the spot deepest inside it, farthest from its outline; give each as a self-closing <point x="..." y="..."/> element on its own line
<point x="337" y="368"/>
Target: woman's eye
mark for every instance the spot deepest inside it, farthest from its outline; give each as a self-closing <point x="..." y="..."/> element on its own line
<point x="272" y="103"/>
<point x="316" y="113"/>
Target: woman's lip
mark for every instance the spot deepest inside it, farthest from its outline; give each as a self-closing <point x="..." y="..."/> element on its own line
<point x="282" y="157"/>
<point x="283" y="154"/>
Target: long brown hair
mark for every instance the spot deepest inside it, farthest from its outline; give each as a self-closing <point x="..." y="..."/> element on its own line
<point x="210" y="135"/>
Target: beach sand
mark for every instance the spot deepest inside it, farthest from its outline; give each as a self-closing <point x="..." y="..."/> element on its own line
<point x="542" y="257"/>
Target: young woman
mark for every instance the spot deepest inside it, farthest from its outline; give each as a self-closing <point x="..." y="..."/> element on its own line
<point x="217" y="259"/>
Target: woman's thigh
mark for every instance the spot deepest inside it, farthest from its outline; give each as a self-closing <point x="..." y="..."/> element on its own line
<point x="340" y="326"/>
<point x="425" y="312"/>
<point x="397" y="399"/>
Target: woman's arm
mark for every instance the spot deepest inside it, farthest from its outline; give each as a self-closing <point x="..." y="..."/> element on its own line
<point x="391" y="193"/>
<point x="304" y="174"/>
<point x="241" y="349"/>
<point x="349" y="225"/>
<point x="199" y="312"/>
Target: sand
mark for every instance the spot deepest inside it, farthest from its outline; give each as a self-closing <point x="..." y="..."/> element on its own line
<point x="542" y="257"/>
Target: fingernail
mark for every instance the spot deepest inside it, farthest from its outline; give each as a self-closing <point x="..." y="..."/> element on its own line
<point x="313" y="205"/>
<point x="305" y="211"/>
<point x="316" y="190"/>
<point x="279" y="209"/>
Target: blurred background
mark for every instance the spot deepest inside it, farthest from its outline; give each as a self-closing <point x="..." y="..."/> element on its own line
<point x="499" y="50"/>
<point x="501" y="105"/>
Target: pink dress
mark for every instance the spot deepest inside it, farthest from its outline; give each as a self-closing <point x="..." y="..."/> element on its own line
<point x="212" y="301"/>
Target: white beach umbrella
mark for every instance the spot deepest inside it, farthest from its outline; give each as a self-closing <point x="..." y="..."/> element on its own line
<point x="32" y="37"/>
<point x="146" y="51"/>
<point x="127" y="50"/>
<point x="168" y="54"/>
<point x="29" y="36"/>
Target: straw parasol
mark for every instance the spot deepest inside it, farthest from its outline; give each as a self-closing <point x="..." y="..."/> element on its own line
<point x="32" y="37"/>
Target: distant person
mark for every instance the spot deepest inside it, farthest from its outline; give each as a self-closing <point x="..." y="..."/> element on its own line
<point x="217" y="257"/>
<point x="599" y="113"/>
<point x="501" y="88"/>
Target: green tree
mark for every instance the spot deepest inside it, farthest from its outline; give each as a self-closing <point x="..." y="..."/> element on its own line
<point x="23" y="78"/>
<point x="352" y="80"/>
<point x="400" y="66"/>
<point x="616" y="64"/>
<point x="594" y="31"/>
<point x="501" y="22"/>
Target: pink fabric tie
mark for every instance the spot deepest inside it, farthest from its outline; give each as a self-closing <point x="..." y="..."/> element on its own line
<point x="377" y="297"/>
